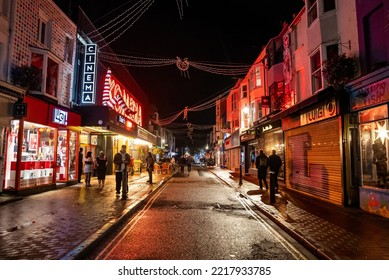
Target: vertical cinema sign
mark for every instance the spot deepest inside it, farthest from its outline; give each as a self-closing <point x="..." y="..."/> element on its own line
<point x="88" y="88"/>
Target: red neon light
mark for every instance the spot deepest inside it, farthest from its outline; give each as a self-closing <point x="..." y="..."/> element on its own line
<point x="118" y="98"/>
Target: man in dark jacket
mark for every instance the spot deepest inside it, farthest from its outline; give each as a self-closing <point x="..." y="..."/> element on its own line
<point x="122" y="161"/>
<point x="275" y="164"/>
<point x="261" y="164"/>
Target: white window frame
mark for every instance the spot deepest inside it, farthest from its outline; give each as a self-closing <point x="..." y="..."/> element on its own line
<point x="44" y="30"/>
<point x="46" y="56"/>
<point x="316" y="74"/>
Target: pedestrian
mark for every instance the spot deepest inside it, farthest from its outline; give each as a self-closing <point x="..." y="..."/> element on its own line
<point x="80" y="163"/>
<point x="182" y="162"/>
<point x="275" y="164"/>
<point x="150" y="167"/>
<point x="88" y="168"/>
<point x="173" y="162"/>
<point x="261" y="164"/>
<point x="101" y="168"/>
<point x="121" y="161"/>
<point x="189" y="163"/>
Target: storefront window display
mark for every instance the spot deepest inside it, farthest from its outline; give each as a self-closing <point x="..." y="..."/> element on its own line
<point x="66" y="155"/>
<point x="374" y="146"/>
<point x="273" y="140"/>
<point x="37" y="158"/>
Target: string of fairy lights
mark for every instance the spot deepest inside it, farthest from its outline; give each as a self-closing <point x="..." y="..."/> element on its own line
<point x="183" y="65"/>
<point x="201" y="107"/>
<point x="115" y="28"/>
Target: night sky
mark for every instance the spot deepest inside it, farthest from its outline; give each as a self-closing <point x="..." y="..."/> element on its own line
<point x="224" y="31"/>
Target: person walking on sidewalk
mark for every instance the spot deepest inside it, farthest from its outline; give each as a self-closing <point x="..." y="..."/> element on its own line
<point x="261" y="164"/>
<point x="275" y="164"/>
<point x="182" y="162"/>
<point x="88" y="168"/>
<point x="121" y="161"/>
<point x="101" y="168"/>
<point x="150" y="167"/>
<point x="80" y="163"/>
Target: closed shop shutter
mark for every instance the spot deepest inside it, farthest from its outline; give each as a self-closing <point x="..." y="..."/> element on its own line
<point x="313" y="160"/>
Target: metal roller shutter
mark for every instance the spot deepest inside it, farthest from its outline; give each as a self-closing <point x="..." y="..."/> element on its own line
<point x="314" y="161"/>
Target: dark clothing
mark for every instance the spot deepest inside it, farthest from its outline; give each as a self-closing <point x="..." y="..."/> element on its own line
<point x="150" y="167"/>
<point x="261" y="162"/>
<point x="80" y="161"/>
<point x="182" y="162"/>
<point x="122" y="177"/>
<point x="122" y="163"/>
<point x="101" y="167"/>
<point x="189" y="164"/>
<point x="275" y="164"/>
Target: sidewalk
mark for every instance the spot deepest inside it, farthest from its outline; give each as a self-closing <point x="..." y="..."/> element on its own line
<point x="62" y="223"/>
<point x="328" y="231"/>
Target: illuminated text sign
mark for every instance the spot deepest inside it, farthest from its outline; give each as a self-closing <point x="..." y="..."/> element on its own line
<point x="119" y="99"/>
<point x="88" y="89"/>
<point x="60" y="116"/>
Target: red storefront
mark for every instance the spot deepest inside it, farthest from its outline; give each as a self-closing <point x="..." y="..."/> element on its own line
<point x="41" y="148"/>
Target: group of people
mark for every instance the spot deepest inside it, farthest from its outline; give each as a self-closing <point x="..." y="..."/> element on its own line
<point x="99" y="164"/>
<point x="123" y="164"/>
<point x="185" y="161"/>
<point x="263" y="163"/>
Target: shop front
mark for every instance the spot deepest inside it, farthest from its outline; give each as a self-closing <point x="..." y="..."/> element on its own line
<point x="9" y="95"/>
<point x="233" y="151"/>
<point x="38" y="147"/>
<point x="369" y="103"/>
<point x="247" y="141"/>
<point x="313" y="151"/>
<point x="271" y="137"/>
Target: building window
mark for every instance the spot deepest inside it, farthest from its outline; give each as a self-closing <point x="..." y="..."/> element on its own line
<point x="374" y="31"/>
<point x="234" y="101"/>
<point x="244" y="91"/>
<point x="68" y="55"/>
<point x="329" y="5"/>
<point x="316" y="75"/>
<point x="4" y="7"/>
<point x="312" y="11"/>
<point x="44" y="30"/>
<point x="48" y="67"/>
<point x="258" y="80"/>
<point x="332" y="51"/>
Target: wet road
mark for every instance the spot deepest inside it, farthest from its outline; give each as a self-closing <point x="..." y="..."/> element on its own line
<point x="196" y="217"/>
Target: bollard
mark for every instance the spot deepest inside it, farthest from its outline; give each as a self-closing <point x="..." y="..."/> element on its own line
<point x="272" y="187"/>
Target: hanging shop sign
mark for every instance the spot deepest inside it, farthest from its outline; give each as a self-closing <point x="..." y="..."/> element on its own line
<point x="268" y="126"/>
<point x="88" y="92"/>
<point x="117" y="97"/>
<point x="372" y="94"/>
<point x="321" y="112"/>
<point x="60" y="116"/>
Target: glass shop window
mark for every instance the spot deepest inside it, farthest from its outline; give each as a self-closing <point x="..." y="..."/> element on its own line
<point x="374" y="136"/>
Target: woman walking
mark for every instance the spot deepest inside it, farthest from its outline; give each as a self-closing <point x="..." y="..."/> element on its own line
<point x="88" y="168"/>
<point x="101" y="168"/>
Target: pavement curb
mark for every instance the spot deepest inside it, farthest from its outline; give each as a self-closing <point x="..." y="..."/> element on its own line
<point x="81" y="250"/>
<point x="316" y="251"/>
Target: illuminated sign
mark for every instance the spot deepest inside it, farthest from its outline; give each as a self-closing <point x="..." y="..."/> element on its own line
<point x="119" y="99"/>
<point x="60" y="116"/>
<point x="88" y="88"/>
<point x="321" y="112"/>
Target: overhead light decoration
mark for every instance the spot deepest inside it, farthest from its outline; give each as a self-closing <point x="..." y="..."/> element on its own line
<point x="382" y="132"/>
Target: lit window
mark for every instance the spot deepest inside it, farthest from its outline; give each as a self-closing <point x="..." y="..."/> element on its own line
<point x="48" y="68"/>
